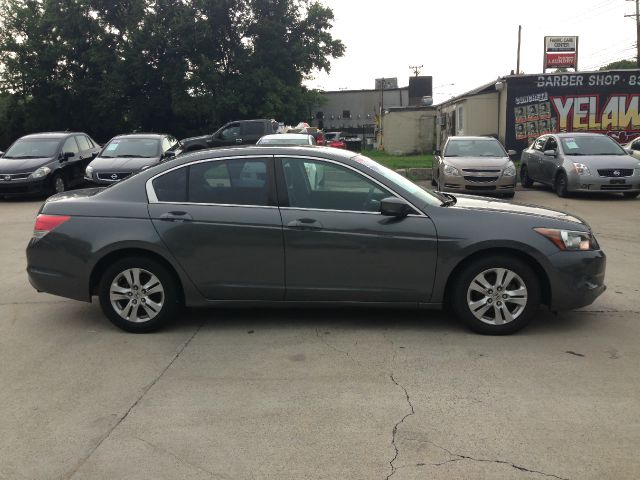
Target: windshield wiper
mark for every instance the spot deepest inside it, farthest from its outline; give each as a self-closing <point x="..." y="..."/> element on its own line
<point x="577" y="154"/>
<point x="132" y="156"/>
<point x="25" y="156"/>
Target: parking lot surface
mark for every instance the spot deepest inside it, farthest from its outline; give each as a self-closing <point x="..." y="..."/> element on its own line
<point x="322" y="394"/>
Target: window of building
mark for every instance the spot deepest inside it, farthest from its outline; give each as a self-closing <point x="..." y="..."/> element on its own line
<point x="459" y="120"/>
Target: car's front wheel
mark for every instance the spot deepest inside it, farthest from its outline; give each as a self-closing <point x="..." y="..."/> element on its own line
<point x="138" y="295"/>
<point x="58" y="184"/>
<point x="561" y="185"/>
<point x="496" y="295"/>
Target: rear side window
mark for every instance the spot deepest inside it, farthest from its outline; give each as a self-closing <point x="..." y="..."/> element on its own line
<point x="172" y="186"/>
<point x="253" y="128"/>
<point x="229" y="182"/>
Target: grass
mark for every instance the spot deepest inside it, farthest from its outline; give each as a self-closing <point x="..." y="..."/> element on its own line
<point x="400" y="161"/>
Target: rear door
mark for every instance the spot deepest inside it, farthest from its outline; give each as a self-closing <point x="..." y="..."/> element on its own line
<point x="339" y="247"/>
<point x="219" y="219"/>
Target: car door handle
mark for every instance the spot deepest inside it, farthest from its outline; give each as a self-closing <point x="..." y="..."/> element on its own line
<point x="176" y="217"/>
<point x="305" y="224"/>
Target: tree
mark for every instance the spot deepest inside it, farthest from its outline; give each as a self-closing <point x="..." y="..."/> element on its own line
<point x="109" y="67"/>
<point x="620" y="65"/>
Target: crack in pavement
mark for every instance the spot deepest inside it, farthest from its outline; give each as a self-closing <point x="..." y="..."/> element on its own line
<point x="180" y="459"/>
<point x="395" y="428"/>
<point x="485" y="460"/>
<point x="146" y="389"/>
<point x="336" y="349"/>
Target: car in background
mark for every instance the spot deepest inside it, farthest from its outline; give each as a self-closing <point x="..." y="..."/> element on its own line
<point x="335" y="140"/>
<point x="46" y="163"/>
<point x="282" y="139"/>
<point x="476" y="165"/>
<point x="318" y="134"/>
<point x="250" y="226"/>
<point x="633" y="147"/>
<point x="127" y="154"/>
<point x="242" y="132"/>
<point x="580" y="162"/>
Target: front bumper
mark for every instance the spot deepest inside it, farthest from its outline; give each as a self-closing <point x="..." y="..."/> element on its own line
<point x="595" y="183"/>
<point x="478" y="184"/>
<point x="576" y="278"/>
<point x="18" y="188"/>
<point x="106" y="178"/>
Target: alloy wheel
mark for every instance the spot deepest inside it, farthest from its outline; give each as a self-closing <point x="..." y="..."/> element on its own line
<point x="497" y="296"/>
<point x="136" y="295"/>
<point x="58" y="184"/>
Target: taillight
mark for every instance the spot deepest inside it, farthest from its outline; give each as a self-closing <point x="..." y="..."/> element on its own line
<point x="46" y="223"/>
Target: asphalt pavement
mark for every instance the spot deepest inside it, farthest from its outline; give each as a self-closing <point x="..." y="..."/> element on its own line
<point x="322" y="394"/>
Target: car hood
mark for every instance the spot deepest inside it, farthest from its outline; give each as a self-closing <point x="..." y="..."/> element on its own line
<point x="605" y="161"/>
<point x="122" y="164"/>
<point x="25" y="165"/>
<point x="471" y="202"/>
<point x="477" y="162"/>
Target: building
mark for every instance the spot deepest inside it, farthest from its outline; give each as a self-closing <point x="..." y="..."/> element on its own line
<point x="409" y="130"/>
<point x="518" y="108"/>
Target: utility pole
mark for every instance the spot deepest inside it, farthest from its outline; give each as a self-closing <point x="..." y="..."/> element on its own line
<point x="637" y="15"/>
<point x="519" y="38"/>
<point x="416" y="69"/>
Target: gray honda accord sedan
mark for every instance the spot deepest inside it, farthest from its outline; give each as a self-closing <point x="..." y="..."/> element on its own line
<point x="306" y="226"/>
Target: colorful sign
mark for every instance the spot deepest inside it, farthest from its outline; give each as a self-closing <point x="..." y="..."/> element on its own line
<point x="606" y="102"/>
<point x="560" y="52"/>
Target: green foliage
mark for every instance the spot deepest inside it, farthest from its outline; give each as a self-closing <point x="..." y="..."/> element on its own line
<point x="620" y="65"/>
<point x="108" y="67"/>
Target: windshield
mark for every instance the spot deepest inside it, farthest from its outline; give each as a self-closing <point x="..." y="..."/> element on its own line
<point x="132" y="147"/>
<point x="33" y="148"/>
<point x="475" y="148"/>
<point x="591" y="145"/>
<point x="397" y="179"/>
<point x="284" y="141"/>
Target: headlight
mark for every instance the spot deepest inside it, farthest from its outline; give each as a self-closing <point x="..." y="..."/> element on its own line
<point x="88" y="172"/>
<point x="40" y="173"/>
<point x="510" y="170"/>
<point x="451" y="170"/>
<point x="581" y="169"/>
<point x="568" y="239"/>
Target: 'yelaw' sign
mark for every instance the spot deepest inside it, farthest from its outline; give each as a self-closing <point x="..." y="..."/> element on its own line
<point x="583" y="112"/>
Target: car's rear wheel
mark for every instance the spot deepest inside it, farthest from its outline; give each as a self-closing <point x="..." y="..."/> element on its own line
<point x="496" y="295"/>
<point x="138" y="295"/>
<point x="561" y="185"/>
<point x="630" y="195"/>
<point x="525" y="179"/>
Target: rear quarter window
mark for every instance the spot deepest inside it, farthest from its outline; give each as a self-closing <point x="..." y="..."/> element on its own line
<point x="172" y="186"/>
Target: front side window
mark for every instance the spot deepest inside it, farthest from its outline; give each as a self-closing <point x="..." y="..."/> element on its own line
<point x="231" y="132"/>
<point x="327" y="186"/>
<point x="229" y="182"/>
<point x="551" y="144"/>
<point x="70" y="145"/>
<point x="539" y="144"/>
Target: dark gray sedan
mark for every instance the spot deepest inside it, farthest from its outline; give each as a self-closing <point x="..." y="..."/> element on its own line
<point x="580" y="162"/>
<point x="306" y="226"/>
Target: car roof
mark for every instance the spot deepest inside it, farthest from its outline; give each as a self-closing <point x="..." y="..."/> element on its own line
<point x="465" y="137"/>
<point x="52" y="135"/>
<point x="141" y="135"/>
<point x="578" y="134"/>
<point x="285" y="136"/>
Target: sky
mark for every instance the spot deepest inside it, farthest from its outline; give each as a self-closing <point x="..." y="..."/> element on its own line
<point x="463" y="44"/>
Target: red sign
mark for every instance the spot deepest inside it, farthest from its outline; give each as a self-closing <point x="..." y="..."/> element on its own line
<point x="555" y="60"/>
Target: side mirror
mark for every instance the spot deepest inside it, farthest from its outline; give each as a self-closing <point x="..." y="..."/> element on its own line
<point x="628" y="150"/>
<point x="394" y="207"/>
<point x="68" y="155"/>
<point x="550" y="153"/>
<point x="168" y="154"/>
<point x="511" y="153"/>
<point x="437" y="152"/>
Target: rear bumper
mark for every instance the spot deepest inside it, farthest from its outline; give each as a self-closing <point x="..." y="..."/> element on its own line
<point x="576" y="279"/>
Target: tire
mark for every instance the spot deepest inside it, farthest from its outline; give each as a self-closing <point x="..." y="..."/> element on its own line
<point x="560" y="185"/>
<point x="525" y="179"/>
<point x="508" y="195"/>
<point x="630" y="195"/>
<point x="58" y="184"/>
<point x="521" y="305"/>
<point x="123" y="298"/>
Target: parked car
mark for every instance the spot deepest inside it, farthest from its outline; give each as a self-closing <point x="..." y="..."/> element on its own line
<point x="318" y="135"/>
<point x="633" y="147"/>
<point x="212" y="228"/>
<point x="45" y="163"/>
<point x="475" y="165"/>
<point x="287" y="139"/>
<point x="243" y="132"/>
<point x="580" y="162"/>
<point x="335" y="140"/>
<point x="127" y="154"/>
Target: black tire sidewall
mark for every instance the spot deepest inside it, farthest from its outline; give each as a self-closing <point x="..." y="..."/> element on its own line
<point x="458" y="297"/>
<point x="171" y="301"/>
<point x="53" y="183"/>
<point x="561" y="193"/>
<point x="525" y="179"/>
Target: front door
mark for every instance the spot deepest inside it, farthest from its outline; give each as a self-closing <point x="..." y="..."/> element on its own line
<point x="220" y="221"/>
<point x="534" y="162"/>
<point x="73" y="166"/>
<point x="549" y="162"/>
<point x="338" y="246"/>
